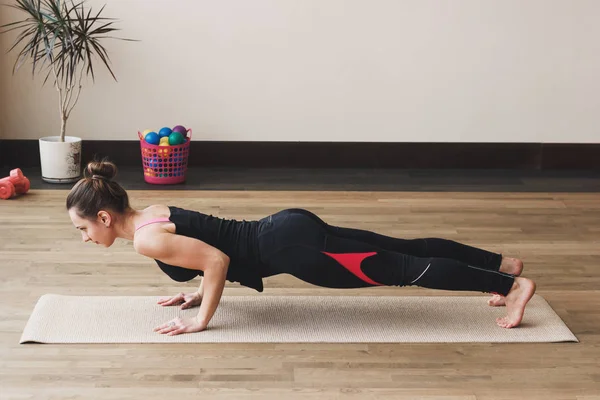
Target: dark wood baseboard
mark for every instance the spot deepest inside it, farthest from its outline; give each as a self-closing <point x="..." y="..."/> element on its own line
<point x="25" y="153"/>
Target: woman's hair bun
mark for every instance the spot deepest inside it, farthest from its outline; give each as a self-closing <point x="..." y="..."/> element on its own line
<point x="101" y="169"/>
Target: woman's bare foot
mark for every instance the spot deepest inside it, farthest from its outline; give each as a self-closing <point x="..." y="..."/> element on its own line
<point x="512" y="266"/>
<point x="509" y="265"/>
<point x="521" y="292"/>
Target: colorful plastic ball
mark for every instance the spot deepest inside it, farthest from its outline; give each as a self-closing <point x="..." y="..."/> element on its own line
<point x="164" y="132"/>
<point x="147" y="131"/>
<point x="164" y="151"/>
<point x="152" y="138"/>
<point x="150" y="172"/>
<point x="164" y="141"/>
<point x="176" y="138"/>
<point x="181" y="129"/>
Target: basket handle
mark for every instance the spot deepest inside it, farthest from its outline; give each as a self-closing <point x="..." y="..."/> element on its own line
<point x="140" y="136"/>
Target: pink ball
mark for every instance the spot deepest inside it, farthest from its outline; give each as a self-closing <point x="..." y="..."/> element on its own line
<point x="181" y="129"/>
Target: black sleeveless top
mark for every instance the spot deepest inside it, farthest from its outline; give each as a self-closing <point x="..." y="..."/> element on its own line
<point x="237" y="239"/>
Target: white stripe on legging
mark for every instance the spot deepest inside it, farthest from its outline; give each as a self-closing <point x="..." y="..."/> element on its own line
<point x="470" y="266"/>
<point x="423" y="273"/>
<point x="492" y="271"/>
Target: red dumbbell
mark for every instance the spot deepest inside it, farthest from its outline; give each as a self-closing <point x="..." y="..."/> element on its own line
<point x="14" y="184"/>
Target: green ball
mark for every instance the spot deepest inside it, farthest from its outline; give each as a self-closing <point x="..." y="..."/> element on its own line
<point x="176" y="138"/>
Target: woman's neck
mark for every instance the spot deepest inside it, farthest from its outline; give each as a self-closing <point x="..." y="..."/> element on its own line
<point x="125" y="227"/>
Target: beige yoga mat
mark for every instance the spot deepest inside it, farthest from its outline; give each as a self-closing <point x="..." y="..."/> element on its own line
<point x="292" y="319"/>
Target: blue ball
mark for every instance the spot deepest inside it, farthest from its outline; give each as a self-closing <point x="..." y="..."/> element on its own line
<point x="152" y="138"/>
<point x="164" y="132"/>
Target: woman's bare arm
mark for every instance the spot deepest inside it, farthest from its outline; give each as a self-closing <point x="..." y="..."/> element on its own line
<point x="186" y="252"/>
<point x="201" y="287"/>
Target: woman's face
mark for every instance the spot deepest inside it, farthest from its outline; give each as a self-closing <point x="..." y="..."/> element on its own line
<point x="99" y="231"/>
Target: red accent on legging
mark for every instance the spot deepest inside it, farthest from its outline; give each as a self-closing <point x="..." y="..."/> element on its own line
<point x="352" y="262"/>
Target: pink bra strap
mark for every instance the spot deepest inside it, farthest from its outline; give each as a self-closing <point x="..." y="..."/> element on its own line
<point x="153" y="221"/>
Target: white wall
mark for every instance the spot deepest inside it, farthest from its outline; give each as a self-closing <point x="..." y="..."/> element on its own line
<point x="335" y="70"/>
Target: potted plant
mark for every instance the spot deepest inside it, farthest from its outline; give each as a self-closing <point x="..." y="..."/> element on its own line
<point x="61" y="38"/>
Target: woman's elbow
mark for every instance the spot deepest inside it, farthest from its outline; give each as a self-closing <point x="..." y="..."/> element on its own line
<point x="217" y="263"/>
<point x="223" y="261"/>
<point x="220" y="267"/>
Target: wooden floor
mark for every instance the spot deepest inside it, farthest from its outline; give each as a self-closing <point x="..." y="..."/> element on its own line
<point x="556" y="234"/>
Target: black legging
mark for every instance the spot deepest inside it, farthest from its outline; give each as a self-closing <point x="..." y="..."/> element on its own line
<point x="297" y="242"/>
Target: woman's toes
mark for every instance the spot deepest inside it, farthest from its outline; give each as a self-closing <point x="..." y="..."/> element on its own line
<point x="496" y="301"/>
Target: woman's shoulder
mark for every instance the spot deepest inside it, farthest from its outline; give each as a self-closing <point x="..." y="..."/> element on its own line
<point x="162" y="211"/>
<point x="153" y="220"/>
<point x="156" y="210"/>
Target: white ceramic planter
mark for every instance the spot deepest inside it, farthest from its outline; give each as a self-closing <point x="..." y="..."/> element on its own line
<point x="61" y="161"/>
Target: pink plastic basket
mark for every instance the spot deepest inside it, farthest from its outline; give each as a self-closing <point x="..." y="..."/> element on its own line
<point x="165" y="165"/>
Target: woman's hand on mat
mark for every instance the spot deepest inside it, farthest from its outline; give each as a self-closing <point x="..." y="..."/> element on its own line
<point x="187" y="300"/>
<point x="180" y="325"/>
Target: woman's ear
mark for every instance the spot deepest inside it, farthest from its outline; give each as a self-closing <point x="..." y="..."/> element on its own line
<point x="104" y="218"/>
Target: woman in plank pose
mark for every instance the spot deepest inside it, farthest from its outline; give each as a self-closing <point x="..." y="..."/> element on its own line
<point x="186" y="244"/>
